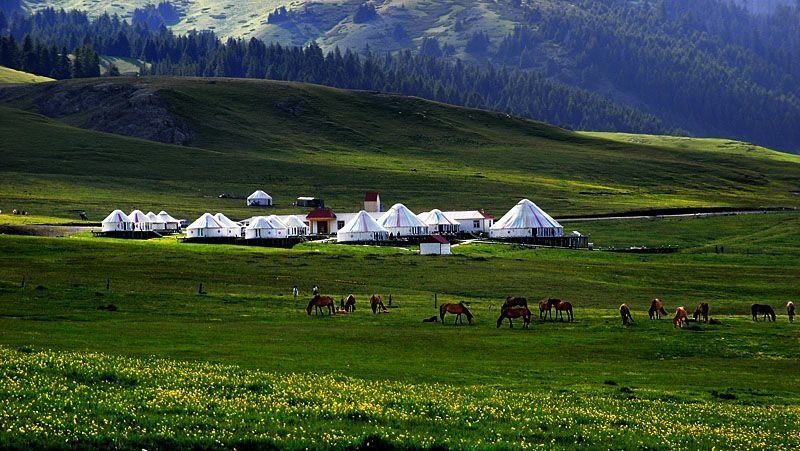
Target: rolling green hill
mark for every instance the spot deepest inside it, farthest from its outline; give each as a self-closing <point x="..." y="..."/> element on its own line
<point x="294" y="139"/>
<point x="9" y="76"/>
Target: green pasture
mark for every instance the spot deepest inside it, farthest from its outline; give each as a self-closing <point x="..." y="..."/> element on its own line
<point x="293" y="139"/>
<point x="9" y="76"/>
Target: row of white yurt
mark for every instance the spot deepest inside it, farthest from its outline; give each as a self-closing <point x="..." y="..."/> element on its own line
<point x="206" y="226"/>
<point x="118" y="221"/>
<point x="296" y="227"/>
<point x="230" y="228"/>
<point x="526" y="219"/>
<point x="438" y="222"/>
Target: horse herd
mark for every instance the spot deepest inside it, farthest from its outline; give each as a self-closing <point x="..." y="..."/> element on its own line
<point x="517" y="307"/>
<point x="681" y="316"/>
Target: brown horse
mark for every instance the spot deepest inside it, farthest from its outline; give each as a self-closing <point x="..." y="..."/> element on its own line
<point x="544" y="309"/>
<point x="657" y="309"/>
<point x="701" y="310"/>
<point x="350" y="304"/>
<point x="376" y="303"/>
<point x="625" y="312"/>
<point x="790" y="311"/>
<point x="761" y="309"/>
<point x="514" y="312"/>
<point x="456" y="309"/>
<point x="680" y="317"/>
<point x="513" y="301"/>
<point x="319" y="302"/>
<point x="564" y="306"/>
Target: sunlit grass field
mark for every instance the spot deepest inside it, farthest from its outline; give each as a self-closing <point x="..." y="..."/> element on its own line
<point x="246" y="366"/>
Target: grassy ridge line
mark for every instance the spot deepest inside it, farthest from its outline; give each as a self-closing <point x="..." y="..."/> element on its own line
<point x="294" y="139"/>
<point x="11" y="76"/>
<point x="162" y="403"/>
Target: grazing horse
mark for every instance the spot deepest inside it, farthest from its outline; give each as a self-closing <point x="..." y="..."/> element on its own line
<point x="657" y="309"/>
<point x="625" y="312"/>
<point x="790" y="311"/>
<point x="564" y="306"/>
<point x="515" y="312"/>
<point x="350" y="304"/>
<point x="761" y="309"/>
<point x="376" y="303"/>
<point x="319" y="302"/>
<point x="544" y="309"/>
<point x="680" y="317"/>
<point x="455" y="309"/>
<point x="701" y="310"/>
<point x="513" y="301"/>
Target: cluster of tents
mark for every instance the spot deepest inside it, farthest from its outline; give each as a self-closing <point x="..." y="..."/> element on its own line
<point x="261" y="227"/>
<point x="137" y="221"/>
<point x="525" y="219"/>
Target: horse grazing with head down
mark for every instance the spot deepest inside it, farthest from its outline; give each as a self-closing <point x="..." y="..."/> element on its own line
<point x="564" y="306"/>
<point x="625" y="313"/>
<point x="513" y="301"/>
<point x="376" y="303"/>
<point x="350" y="304"/>
<point x="657" y="309"/>
<point x="701" y="311"/>
<point x="762" y="309"/>
<point x="680" y="317"/>
<point x="455" y="309"/>
<point x="790" y="311"/>
<point x="514" y="312"/>
<point x="319" y="303"/>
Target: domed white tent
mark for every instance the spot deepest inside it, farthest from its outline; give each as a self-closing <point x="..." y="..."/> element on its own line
<point x="400" y="221"/>
<point x="232" y="229"/>
<point x="296" y="227"/>
<point x="259" y="199"/>
<point x="140" y="221"/>
<point x="156" y="223"/>
<point x="117" y="221"/>
<point x="526" y="219"/>
<point x="170" y="223"/>
<point x="438" y="222"/>
<point x="362" y="227"/>
<point x="265" y="228"/>
<point x="206" y="227"/>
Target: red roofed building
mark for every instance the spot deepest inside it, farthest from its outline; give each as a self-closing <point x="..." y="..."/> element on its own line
<point x="434" y="245"/>
<point x="322" y="221"/>
<point x="372" y="202"/>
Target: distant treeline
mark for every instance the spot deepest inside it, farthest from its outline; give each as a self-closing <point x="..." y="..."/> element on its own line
<point x="708" y="66"/>
<point x="519" y="92"/>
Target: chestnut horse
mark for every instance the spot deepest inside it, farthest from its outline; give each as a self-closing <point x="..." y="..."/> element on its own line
<point x="544" y="309"/>
<point x="790" y="311"/>
<point x="701" y="310"/>
<point x="680" y="317"/>
<point x="376" y="303"/>
<point x="761" y="309"/>
<point x="625" y="312"/>
<point x="564" y="306"/>
<point x="455" y="309"/>
<point x="350" y="304"/>
<point x="514" y="312"/>
<point x="657" y="309"/>
<point x="319" y="302"/>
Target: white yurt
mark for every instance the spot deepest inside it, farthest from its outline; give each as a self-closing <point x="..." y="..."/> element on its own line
<point x="296" y="227"/>
<point x="438" y="222"/>
<point x="140" y="221"/>
<point x="117" y="221"/>
<point x="170" y="223"/>
<point x="400" y="221"/>
<point x="362" y="227"/>
<point x="526" y="219"/>
<point x="232" y="229"/>
<point x="156" y="223"/>
<point x="259" y="199"/>
<point x="206" y="227"/>
<point x="263" y="228"/>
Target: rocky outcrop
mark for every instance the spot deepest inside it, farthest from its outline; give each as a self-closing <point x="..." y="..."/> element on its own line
<point x="122" y="108"/>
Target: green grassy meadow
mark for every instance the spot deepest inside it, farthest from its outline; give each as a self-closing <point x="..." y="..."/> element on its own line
<point x="243" y="366"/>
<point x="8" y="76"/>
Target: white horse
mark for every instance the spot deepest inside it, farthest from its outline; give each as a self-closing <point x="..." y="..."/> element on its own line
<point x="790" y="311"/>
